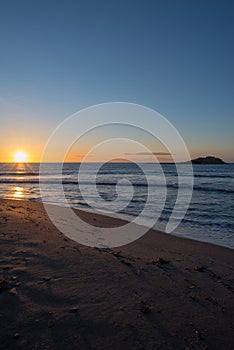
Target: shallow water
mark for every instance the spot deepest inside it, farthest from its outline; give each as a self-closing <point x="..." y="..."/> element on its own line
<point x="209" y="217"/>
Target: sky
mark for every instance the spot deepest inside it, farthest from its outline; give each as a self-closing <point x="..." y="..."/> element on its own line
<point x="174" y="56"/>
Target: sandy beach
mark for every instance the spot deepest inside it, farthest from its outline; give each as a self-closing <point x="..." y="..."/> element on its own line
<point x="160" y="292"/>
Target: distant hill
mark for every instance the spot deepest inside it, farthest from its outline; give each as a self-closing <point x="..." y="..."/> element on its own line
<point x="208" y="160"/>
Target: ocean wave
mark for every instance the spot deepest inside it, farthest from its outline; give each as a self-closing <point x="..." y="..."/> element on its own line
<point x="212" y="189"/>
<point x="220" y="176"/>
<point x="114" y="184"/>
<point x="210" y="223"/>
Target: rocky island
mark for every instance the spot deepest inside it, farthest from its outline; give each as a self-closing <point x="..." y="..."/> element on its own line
<point x="208" y="160"/>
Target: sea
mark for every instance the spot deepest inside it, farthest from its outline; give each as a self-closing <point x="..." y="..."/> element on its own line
<point x="209" y="216"/>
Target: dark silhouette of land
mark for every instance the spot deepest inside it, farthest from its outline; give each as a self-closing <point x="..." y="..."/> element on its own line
<point x="208" y="160"/>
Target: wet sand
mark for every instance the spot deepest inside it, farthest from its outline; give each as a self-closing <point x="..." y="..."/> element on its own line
<point x="160" y="292"/>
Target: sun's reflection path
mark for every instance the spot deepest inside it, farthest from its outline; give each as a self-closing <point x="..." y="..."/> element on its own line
<point x="18" y="192"/>
<point x="21" y="168"/>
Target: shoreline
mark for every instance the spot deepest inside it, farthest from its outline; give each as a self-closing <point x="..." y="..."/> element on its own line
<point x="160" y="291"/>
<point x="124" y="218"/>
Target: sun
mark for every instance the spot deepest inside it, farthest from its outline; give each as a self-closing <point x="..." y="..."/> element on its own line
<point x="20" y="157"/>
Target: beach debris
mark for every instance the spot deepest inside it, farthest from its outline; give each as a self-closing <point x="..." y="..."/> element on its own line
<point x="212" y="300"/>
<point x="116" y="253"/>
<point x="3" y="285"/>
<point x="125" y="262"/>
<point x="47" y="279"/>
<point x="145" y="309"/>
<point x="104" y="249"/>
<point x="160" y="261"/>
<point x="13" y="291"/>
<point x="192" y="286"/>
<point x="16" y="335"/>
<point x="198" y="334"/>
<point x="199" y="268"/>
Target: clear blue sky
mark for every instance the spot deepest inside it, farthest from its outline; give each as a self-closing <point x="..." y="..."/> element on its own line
<point x="175" y="56"/>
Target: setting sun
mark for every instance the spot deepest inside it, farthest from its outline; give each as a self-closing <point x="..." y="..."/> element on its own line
<point x="20" y="157"/>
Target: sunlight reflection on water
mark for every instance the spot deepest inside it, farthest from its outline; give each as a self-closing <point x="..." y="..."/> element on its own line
<point x="18" y="192"/>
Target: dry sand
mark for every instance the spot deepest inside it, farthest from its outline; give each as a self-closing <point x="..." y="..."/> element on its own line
<point x="160" y="292"/>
